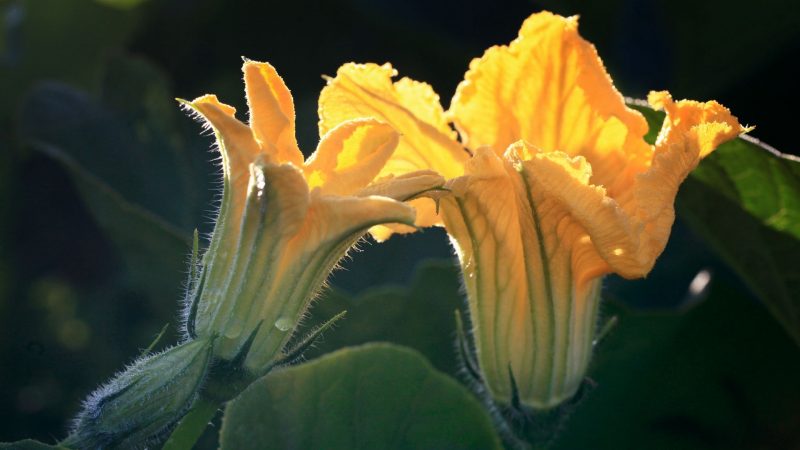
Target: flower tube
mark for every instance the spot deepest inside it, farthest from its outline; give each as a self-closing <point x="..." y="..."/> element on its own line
<point x="285" y="222"/>
<point x="552" y="186"/>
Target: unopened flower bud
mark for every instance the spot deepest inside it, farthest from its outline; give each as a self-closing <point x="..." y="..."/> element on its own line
<point x="141" y="405"/>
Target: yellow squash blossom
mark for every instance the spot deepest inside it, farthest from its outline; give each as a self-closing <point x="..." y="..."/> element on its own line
<point x="553" y="186"/>
<point x="285" y="222"/>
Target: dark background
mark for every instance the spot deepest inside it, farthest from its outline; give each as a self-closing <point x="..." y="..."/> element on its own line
<point x="74" y="308"/>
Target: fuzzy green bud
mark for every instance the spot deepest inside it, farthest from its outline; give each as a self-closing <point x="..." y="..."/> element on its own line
<point x="139" y="406"/>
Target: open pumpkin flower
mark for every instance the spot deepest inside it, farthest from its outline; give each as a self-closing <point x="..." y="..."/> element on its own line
<point x="553" y="186"/>
<point x="284" y="223"/>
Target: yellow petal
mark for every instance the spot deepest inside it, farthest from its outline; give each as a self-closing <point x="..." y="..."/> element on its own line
<point x="517" y="250"/>
<point x="483" y="219"/>
<point x="350" y="156"/>
<point x="407" y="188"/>
<point x="236" y="145"/>
<point x="332" y="220"/>
<point x="691" y="131"/>
<point x="411" y="108"/>
<point x="608" y="238"/>
<point x="426" y="217"/>
<point x="271" y="112"/>
<point x="331" y="227"/>
<point x="707" y="124"/>
<point x="549" y="88"/>
<point x="423" y="102"/>
<point x="629" y="235"/>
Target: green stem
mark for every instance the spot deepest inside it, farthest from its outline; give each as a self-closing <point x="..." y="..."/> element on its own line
<point x="191" y="427"/>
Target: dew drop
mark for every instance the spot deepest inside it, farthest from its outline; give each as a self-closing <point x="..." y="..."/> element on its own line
<point x="284" y="323"/>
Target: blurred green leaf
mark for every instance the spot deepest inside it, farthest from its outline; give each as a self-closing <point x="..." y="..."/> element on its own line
<point x="146" y="184"/>
<point x="719" y="376"/>
<point x="744" y="201"/>
<point x="129" y="138"/>
<point x="29" y="444"/>
<point x="377" y="396"/>
<point x="420" y="316"/>
<point x="153" y="249"/>
<point x="68" y="40"/>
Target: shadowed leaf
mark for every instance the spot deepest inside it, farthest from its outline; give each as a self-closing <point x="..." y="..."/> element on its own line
<point x="719" y="376"/>
<point x="370" y="397"/>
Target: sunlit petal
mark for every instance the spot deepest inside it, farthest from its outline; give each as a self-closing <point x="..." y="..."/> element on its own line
<point x="236" y="142"/>
<point x="616" y="237"/>
<point x="411" y="108"/>
<point x="518" y="249"/>
<point x="350" y="156"/>
<point x="549" y="88"/>
<point x="421" y="190"/>
<point x="405" y="187"/>
<point x="238" y="149"/>
<point x="271" y="112"/>
<point x="690" y="132"/>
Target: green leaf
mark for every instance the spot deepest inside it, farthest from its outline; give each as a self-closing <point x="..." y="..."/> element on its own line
<point x="376" y="396"/>
<point x="419" y="316"/>
<point x="744" y="201"/>
<point x="719" y="376"/>
<point x="193" y="424"/>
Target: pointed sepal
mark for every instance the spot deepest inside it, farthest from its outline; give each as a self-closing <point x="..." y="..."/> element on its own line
<point x="294" y="354"/>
